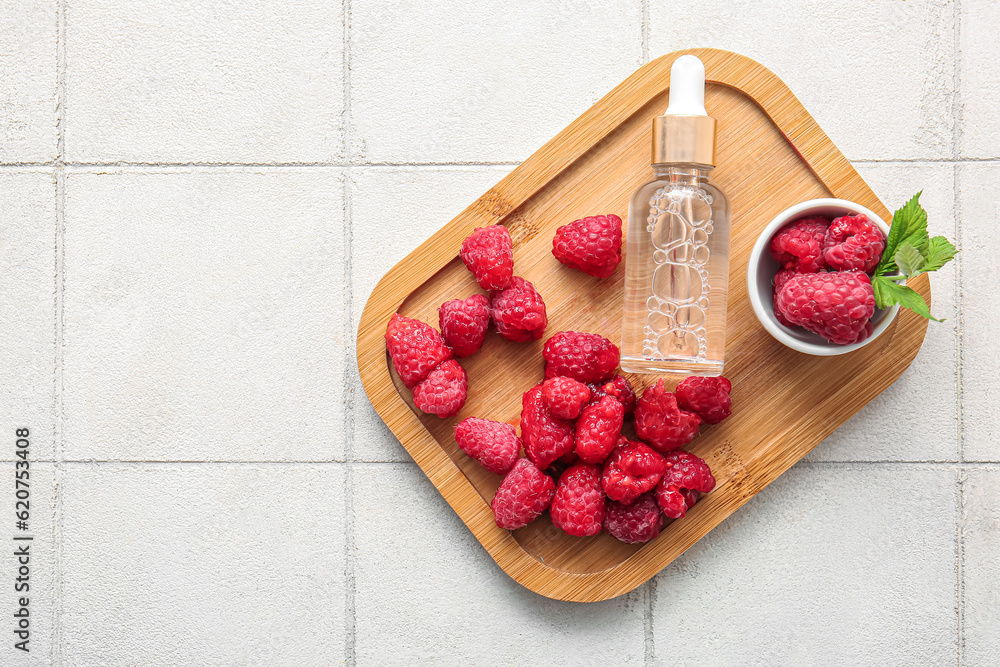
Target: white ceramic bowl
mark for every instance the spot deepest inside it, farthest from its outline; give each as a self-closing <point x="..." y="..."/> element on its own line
<point x="762" y="267"/>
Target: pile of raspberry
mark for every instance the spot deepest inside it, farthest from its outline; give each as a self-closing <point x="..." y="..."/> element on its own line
<point x="823" y="282"/>
<point x="425" y="357"/>
<point x="594" y="456"/>
<point x="588" y="451"/>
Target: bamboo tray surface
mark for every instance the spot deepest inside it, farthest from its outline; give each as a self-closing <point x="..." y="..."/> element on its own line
<point x="771" y="154"/>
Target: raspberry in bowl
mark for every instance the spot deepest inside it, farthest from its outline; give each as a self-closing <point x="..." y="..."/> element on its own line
<point x="820" y="247"/>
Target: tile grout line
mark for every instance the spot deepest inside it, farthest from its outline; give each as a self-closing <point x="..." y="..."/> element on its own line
<point x="56" y="649"/>
<point x="649" y="648"/>
<point x="956" y="208"/>
<point x="937" y="464"/>
<point x="959" y="397"/>
<point x="19" y="166"/>
<point x="350" y="624"/>
<point x="645" y="31"/>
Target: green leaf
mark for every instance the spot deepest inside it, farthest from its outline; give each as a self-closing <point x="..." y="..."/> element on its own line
<point x="888" y="293"/>
<point x="909" y="260"/>
<point x="909" y="225"/>
<point x="939" y="252"/>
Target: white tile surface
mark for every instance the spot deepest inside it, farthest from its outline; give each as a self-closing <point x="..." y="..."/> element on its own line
<point x="981" y="567"/>
<point x="28" y="81"/>
<point x="979" y="210"/>
<point x="877" y="432"/>
<point x="40" y="579"/>
<point x="27" y="304"/>
<point x="204" y="315"/>
<point x="430" y="198"/>
<point x="878" y="75"/>
<point x="980" y="79"/>
<point x="203" y="565"/>
<point x="458" y="81"/>
<point x="830" y="565"/>
<point x="152" y="81"/>
<point x="427" y="592"/>
<point x="206" y="319"/>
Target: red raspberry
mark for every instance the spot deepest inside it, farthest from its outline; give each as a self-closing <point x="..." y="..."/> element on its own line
<point x="578" y="506"/>
<point x="619" y="387"/>
<point x="494" y="444"/>
<point x="868" y="331"/>
<point x="545" y="437"/>
<point x="661" y="423"/>
<point x="415" y="348"/>
<point x="709" y="397"/>
<point x="671" y="500"/>
<point x="522" y="496"/>
<point x="443" y="392"/>
<point x="837" y="306"/>
<point x="519" y="311"/>
<point x="464" y="323"/>
<point x="632" y="469"/>
<point x="598" y="428"/>
<point x="565" y="397"/>
<point x="690" y="497"/>
<point x="799" y="245"/>
<point x="489" y="254"/>
<point x="780" y="279"/>
<point x="592" y="245"/>
<point x="639" y="522"/>
<point x="687" y="471"/>
<point x="585" y="357"/>
<point x="853" y="243"/>
<point x="687" y="476"/>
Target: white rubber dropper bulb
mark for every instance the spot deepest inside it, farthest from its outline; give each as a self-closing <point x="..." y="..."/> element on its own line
<point x="687" y="87"/>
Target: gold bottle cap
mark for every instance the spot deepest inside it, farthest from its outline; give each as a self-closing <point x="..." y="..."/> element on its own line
<point x="684" y="139"/>
<point x="685" y="133"/>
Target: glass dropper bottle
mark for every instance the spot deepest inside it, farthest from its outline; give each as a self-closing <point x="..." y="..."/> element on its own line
<point x="677" y="252"/>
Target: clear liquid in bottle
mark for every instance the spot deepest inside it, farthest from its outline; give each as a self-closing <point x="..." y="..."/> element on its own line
<point x="676" y="274"/>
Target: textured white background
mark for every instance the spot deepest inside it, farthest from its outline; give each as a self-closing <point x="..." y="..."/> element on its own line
<point x="197" y="198"/>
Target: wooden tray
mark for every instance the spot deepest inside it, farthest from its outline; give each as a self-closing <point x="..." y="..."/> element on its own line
<point x="771" y="154"/>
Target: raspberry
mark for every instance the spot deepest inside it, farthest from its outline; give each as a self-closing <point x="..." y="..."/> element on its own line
<point x="522" y="496"/>
<point x="671" y="500"/>
<point x="592" y="245"/>
<point x="619" y="387"/>
<point x="632" y="469"/>
<point x="780" y="279"/>
<point x="661" y="423"/>
<point x="494" y="444"/>
<point x="690" y="497"/>
<point x="443" y="392"/>
<point x="489" y="254"/>
<point x="565" y="397"/>
<point x="415" y="348"/>
<point x="639" y="522"/>
<point x="585" y="357"/>
<point x="687" y="476"/>
<point x="578" y="506"/>
<point x="598" y="429"/>
<point x="799" y="245"/>
<point x="545" y="437"/>
<point x="837" y="306"/>
<point x="687" y="471"/>
<point x="519" y="311"/>
<point x="464" y="323"/>
<point x="853" y="243"/>
<point x="709" y="397"/>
